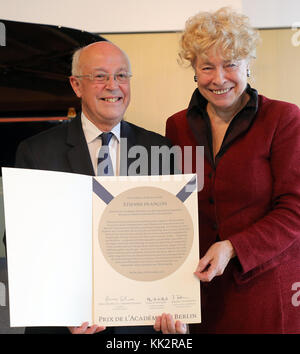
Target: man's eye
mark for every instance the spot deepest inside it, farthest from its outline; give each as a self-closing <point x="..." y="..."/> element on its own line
<point x="100" y="76"/>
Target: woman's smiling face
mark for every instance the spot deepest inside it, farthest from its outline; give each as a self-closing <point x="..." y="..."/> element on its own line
<point x="222" y="82"/>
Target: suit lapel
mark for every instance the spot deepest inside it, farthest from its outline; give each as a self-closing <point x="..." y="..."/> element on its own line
<point x="78" y="153"/>
<point x="202" y="133"/>
<point x="128" y="140"/>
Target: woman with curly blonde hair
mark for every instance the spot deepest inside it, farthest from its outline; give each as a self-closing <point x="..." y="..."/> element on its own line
<point x="249" y="207"/>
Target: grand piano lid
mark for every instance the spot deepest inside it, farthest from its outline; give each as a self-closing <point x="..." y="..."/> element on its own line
<point x="34" y="67"/>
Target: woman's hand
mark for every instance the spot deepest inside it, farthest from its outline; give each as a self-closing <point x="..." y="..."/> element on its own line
<point x="85" y="329"/>
<point x="167" y="325"/>
<point x="215" y="260"/>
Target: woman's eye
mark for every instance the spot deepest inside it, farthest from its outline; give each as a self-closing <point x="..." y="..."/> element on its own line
<point x="231" y="65"/>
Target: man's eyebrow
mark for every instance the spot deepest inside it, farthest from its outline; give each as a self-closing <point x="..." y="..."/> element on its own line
<point x="122" y="68"/>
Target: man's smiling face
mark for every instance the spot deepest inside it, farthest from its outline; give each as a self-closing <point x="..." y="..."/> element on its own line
<point x="104" y="104"/>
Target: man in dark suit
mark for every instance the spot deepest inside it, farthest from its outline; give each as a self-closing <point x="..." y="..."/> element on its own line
<point x="101" y="79"/>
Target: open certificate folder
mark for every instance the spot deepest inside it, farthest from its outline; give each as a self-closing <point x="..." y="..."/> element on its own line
<point x="114" y="251"/>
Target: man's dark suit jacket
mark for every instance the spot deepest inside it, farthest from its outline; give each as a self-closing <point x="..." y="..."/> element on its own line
<point x="64" y="149"/>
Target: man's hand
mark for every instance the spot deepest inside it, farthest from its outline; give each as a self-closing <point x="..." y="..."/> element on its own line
<point x="167" y="325"/>
<point x="85" y="329"/>
<point x="215" y="260"/>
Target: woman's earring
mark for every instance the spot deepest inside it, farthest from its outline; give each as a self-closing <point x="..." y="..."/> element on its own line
<point x="248" y="72"/>
<point x="195" y="78"/>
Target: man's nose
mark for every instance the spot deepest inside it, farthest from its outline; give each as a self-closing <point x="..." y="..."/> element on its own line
<point x="111" y="82"/>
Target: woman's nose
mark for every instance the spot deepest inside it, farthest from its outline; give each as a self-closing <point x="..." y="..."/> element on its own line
<point x="219" y="77"/>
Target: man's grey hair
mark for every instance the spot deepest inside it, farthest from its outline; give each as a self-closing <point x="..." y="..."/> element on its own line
<point x="75" y="62"/>
<point x="76" y="69"/>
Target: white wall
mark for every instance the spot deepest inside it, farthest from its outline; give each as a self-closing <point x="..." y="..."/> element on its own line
<point x="143" y="15"/>
<point x="110" y="16"/>
<point x="272" y="13"/>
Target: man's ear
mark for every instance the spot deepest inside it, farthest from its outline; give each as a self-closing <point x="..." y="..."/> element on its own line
<point x="76" y="85"/>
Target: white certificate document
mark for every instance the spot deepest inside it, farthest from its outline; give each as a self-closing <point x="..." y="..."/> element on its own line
<point x="115" y="251"/>
<point x="145" y="244"/>
<point x="49" y="246"/>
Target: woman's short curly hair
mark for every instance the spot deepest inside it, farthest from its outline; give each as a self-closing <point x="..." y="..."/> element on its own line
<point x="225" y="30"/>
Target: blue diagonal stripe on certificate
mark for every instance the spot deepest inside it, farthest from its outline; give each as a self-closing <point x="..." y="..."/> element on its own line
<point x="187" y="190"/>
<point x="102" y="192"/>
